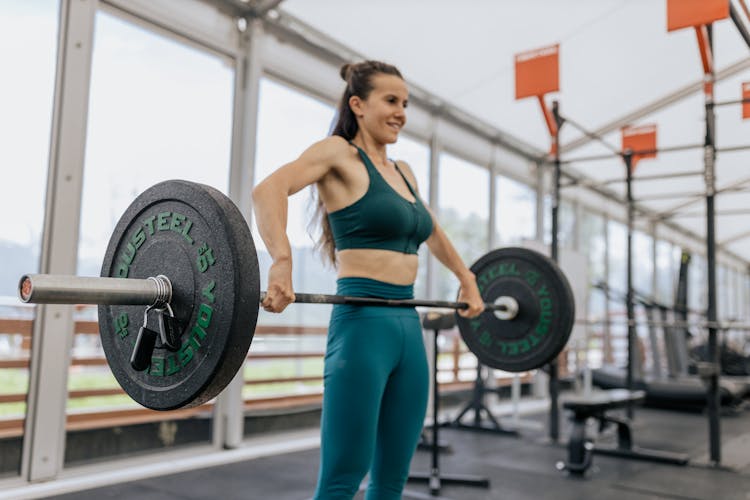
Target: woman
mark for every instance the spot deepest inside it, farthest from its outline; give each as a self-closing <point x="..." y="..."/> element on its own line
<point x="373" y="220"/>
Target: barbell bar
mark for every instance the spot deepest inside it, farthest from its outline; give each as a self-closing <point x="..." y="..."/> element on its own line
<point x="186" y="247"/>
<point x="156" y="291"/>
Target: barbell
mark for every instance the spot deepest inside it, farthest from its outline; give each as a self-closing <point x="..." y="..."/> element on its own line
<point x="184" y="251"/>
<point x="156" y="292"/>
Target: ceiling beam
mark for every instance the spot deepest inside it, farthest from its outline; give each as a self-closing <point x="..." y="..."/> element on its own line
<point x="734" y="186"/>
<point x="733" y="239"/>
<point x="656" y="105"/>
<point x="734" y="13"/>
<point x="287" y="27"/>
<point x="244" y="8"/>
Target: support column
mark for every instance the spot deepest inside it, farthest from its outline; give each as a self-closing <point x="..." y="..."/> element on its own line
<point x="228" y="422"/>
<point x="628" y="157"/>
<point x="44" y="431"/>
<point x="554" y="389"/>
<point x="429" y="341"/>
<point x="541" y="183"/>
<point x="433" y="202"/>
<point x="710" y="179"/>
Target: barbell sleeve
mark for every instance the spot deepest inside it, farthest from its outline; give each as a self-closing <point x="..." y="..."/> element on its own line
<point x="64" y="289"/>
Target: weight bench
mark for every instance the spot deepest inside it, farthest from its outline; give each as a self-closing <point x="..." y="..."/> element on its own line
<point x="581" y="448"/>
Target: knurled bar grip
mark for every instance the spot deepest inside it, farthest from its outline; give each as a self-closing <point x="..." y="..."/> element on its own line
<point x="313" y="298"/>
<point x="62" y="289"/>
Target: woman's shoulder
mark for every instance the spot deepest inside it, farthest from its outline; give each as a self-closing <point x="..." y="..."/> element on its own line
<point x="330" y="150"/>
<point x="335" y="144"/>
<point x="407" y="171"/>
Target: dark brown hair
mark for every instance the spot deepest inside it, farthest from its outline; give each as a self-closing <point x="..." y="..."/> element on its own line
<point x="358" y="78"/>
<point x="359" y="82"/>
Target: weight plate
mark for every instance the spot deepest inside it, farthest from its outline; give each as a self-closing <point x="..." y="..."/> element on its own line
<point x="546" y="311"/>
<point x="196" y="236"/>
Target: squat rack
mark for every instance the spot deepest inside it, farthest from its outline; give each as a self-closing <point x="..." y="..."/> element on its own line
<point x="712" y="368"/>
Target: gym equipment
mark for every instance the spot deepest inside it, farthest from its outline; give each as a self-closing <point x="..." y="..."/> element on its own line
<point x="434" y="478"/>
<point x="185" y="252"/>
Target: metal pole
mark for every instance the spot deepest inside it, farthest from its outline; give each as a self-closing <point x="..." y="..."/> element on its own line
<point x="628" y="157"/>
<point x="713" y="352"/>
<point x="669" y="149"/>
<point x="434" y="483"/>
<point x="554" y="411"/>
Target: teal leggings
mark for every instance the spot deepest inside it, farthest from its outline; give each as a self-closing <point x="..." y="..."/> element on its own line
<point x="375" y="397"/>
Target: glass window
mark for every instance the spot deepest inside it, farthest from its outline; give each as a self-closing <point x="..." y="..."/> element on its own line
<point x="515" y="207"/>
<point x="158" y="109"/>
<point x="566" y="225"/>
<point x="643" y="264"/>
<point x="617" y="235"/>
<point x="697" y="283"/>
<point x="722" y="291"/>
<point x="597" y="351"/>
<point x="745" y="296"/>
<point x="28" y="46"/>
<point x="594" y="245"/>
<point x="463" y="214"/>
<point x="734" y="294"/>
<point x="666" y="277"/>
<point x="739" y="295"/>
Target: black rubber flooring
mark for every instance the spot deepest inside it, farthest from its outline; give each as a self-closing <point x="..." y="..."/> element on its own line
<point x="517" y="467"/>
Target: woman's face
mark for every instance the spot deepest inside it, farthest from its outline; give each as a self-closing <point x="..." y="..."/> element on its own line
<point x="383" y="113"/>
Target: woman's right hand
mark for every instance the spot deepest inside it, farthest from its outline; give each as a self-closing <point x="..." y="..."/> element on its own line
<point x="280" y="292"/>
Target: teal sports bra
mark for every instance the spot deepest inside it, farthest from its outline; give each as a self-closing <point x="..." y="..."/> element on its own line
<point x="382" y="218"/>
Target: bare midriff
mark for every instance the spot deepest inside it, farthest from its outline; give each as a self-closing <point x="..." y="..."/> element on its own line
<point x="382" y="265"/>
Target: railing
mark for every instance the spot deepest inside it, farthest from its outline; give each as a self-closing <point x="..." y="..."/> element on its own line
<point x="456" y="371"/>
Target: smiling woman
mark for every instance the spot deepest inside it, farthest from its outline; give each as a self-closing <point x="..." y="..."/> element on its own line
<point x="374" y="221"/>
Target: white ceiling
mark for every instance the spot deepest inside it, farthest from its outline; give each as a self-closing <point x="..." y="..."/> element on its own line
<point x="616" y="57"/>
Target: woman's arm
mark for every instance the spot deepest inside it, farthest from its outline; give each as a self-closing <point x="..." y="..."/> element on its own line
<point x="270" y="202"/>
<point x="446" y="253"/>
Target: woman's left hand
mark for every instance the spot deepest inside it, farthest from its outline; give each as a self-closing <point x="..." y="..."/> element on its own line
<point x="469" y="293"/>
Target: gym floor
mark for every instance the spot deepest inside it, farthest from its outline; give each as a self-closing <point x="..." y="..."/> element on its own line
<point x="517" y="467"/>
